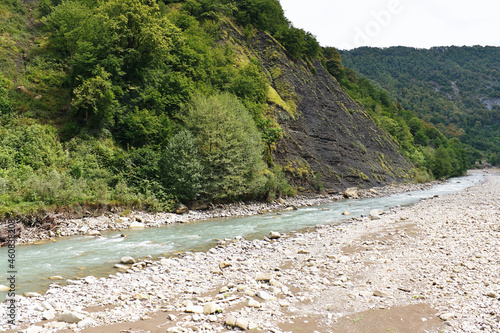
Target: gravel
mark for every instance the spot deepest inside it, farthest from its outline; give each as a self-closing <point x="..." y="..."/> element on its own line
<point x="441" y="255"/>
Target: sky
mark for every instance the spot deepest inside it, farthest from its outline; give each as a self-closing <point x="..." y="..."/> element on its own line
<point x="346" y="24"/>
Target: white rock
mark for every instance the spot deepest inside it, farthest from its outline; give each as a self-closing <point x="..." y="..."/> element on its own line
<point x="264" y="295"/>
<point x="447" y="316"/>
<point x="210" y="308"/>
<point x="127" y="260"/>
<point x="231" y="320"/>
<point x="55" y="277"/>
<point x="253" y="303"/>
<point x="137" y="225"/>
<point x="31" y="294"/>
<point x="194" y="309"/>
<point x="87" y="322"/>
<point x="34" y="329"/>
<point x="274" y="235"/>
<point x="71" y="317"/>
<point x="263" y="277"/>
<point x="48" y="315"/>
<point x="93" y="233"/>
<point x="4" y="288"/>
<point x="242" y="323"/>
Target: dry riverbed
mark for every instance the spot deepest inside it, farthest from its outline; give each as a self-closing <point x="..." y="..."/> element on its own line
<point x="431" y="267"/>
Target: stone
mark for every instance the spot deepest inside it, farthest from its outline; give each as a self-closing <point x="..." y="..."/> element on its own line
<point x="24" y="90"/>
<point x="71" y="317"/>
<point x="275" y="283"/>
<point x="137" y="225"/>
<point x="253" y="303"/>
<point x="35" y="329"/>
<point x="87" y="322"/>
<point x="264" y="277"/>
<point x="366" y="293"/>
<point x="211" y="308"/>
<point x="140" y="297"/>
<point x="4" y="288"/>
<point x="31" y="294"/>
<point x="48" y="315"/>
<point x="447" y="316"/>
<point x="94" y="233"/>
<point x="241" y="323"/>
<point x="375" y="214"/>
<point x="252" y="325"/>
<point x="351" y="193"/>
<point x="127" y="260"/>
<point x="263" y="295"/>
<point x="274" y="235"/>
<point x="55" y="277"/>
<point x="344" y="259"/>
<point x="181" y="209"/>
<point x="230" y="320"/>
<point x="346" y="213"/>
<point x="194" y="309"/>
<point x="379" y="293"/>
<point x="121" y="266"/>
<point x="224" y="264"/>
<point x="90" y="279"/>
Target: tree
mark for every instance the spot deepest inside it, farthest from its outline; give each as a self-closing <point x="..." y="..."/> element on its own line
<point x="181" y="167"/>
<point x="229" y="145"/>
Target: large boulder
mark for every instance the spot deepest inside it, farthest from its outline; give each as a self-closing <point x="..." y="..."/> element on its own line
<point x="351" y="193"/>
<point x="181" y="209"/>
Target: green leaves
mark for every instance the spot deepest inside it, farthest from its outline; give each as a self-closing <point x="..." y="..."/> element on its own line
<point x="220" y="157"/>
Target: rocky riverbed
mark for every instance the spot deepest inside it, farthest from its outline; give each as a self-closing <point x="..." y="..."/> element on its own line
<point x="431" y="267"/>
<point x="57" y="226"/>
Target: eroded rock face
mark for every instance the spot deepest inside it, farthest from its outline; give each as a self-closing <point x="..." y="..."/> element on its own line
<point x="327" y="136"/>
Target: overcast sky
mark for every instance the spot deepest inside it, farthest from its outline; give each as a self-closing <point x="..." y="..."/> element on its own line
<point x="346" y="24"/>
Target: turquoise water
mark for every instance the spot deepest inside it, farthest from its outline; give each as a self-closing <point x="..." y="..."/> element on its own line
<point x="81" y="256"/>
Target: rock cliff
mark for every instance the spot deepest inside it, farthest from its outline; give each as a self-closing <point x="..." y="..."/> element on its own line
<point x="329" y="140"/>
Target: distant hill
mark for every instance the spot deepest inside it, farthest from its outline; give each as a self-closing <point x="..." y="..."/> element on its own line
<point x="455" y="88"/>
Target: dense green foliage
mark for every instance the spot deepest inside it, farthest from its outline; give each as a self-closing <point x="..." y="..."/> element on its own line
<point x="420" y="142"/>
<point x="455" y="88"/>
<point x="145" y="103"/>
<point x="111" y="107"/>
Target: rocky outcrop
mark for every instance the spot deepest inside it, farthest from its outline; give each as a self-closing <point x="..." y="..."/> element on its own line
<point x="329" y="140"/>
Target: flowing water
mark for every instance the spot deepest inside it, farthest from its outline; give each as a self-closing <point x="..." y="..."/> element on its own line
<point x="81" y="256"/>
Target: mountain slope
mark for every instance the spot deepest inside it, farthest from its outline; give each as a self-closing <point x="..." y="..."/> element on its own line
<point x="329" y="138"/>
<point x="143" y="104"/>
<point x="455" y="88"/>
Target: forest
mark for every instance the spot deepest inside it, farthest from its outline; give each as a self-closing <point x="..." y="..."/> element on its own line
<point x="140" y="104"/>
<point x="454" y="88"/>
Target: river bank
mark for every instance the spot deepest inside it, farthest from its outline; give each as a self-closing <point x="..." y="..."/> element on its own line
<point x="433" y="266"/>
<point x="56" y="226"/>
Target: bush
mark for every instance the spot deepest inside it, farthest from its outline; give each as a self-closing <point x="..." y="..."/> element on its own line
<point x="229" y="145"/>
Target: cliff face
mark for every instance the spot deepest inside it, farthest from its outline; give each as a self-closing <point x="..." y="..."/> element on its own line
<point x="329" y="140"/>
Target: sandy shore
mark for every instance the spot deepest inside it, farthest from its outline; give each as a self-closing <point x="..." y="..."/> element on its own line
<point x="431" y="267"/>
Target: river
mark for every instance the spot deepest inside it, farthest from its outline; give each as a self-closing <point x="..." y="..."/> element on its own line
<point x="80" y="256"/>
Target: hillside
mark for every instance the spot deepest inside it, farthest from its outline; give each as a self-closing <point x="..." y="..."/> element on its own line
<point x="144" y="104"/>
<point x="455" y="88"/>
